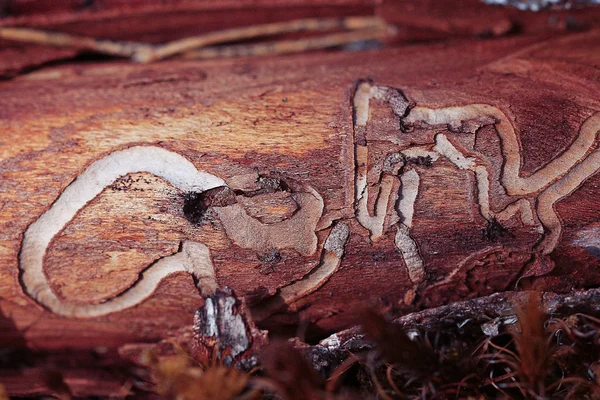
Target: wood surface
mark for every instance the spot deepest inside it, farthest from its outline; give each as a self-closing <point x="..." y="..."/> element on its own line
<point x="160" y="21"/>
<point x="289" y="180"/>
<point x="148" y="21"/>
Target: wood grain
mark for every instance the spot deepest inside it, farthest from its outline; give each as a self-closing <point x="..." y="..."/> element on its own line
<point x="156" y="21"/>
<point x="276" y="130"/>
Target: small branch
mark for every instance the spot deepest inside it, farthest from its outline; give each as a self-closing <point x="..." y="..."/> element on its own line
<point x="287" y="46"/>
<point x="477" y="312"/>
<point x="277" y="28"/>
<point x="57" y="39"/>
<point x="369" y="27"/>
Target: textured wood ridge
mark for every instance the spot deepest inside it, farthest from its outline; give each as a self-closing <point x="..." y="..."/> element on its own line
<point x="311" y="186"/>
<point x="160" y="21"/>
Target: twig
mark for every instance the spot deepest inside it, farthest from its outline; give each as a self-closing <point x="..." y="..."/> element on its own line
<point x="184" y="45"/>
<point x="362" y="28"/>
<point x="287" y="46"/>
<point x="338" y="372"/>
<point x="390" y="378"/>
<point x="57" y="39"/>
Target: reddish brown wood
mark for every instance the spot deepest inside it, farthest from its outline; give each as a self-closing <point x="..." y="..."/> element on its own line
<point x="152" y="21"/>
<point x="289" y="119"/>
<point x="160" y="21"/>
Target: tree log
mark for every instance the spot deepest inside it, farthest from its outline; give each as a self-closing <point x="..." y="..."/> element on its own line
<point x="311" y="186"/>
<point x="160" y="21"/>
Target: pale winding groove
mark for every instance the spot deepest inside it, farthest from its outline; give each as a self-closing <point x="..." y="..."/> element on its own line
<point x="557" y="179"/>
<point x="512" y="180"/>
<point x="297" y="232"/>
<point x="193" y="257"/>
<point x="554" y="181"/>
<point x="565" y="186"/>
<point x="331" y="258"/>
<point x="294" y="294"/>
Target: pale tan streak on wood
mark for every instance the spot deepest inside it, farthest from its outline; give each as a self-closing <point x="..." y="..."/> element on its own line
<point x="564" y="187"/>
<point x="333" y="251"/>
<point x="483" y="191"/>
<point x="297" y="232"/>
<point x="444" y="147"/>
<point x="510" y="177"/>
<point x="293" y="294"/>
<point x="193" y="257"/>
<point x="410" y="189"/>
<point x="410" y="253"/>
<point x="376" y="223"/>
<point x="373" y="223"/>
<point x="456" y="157"/>
<point x="361" y="103"/>
<point x="523" y="208"/>
<point x="404" y="242"/>
<point x="555" y="180"/>
<point x="515" y="184"/>
<point x="170" y="166"/>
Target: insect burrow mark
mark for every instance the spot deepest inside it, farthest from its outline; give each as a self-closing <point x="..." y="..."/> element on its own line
<point x="196" y="204"/>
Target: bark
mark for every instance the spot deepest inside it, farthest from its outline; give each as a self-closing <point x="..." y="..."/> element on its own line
<point x="310" y="185"/>
<point x="162" y="21"/>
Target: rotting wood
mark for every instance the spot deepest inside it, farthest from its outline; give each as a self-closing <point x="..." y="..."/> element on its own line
<point x="289" y="46"/>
